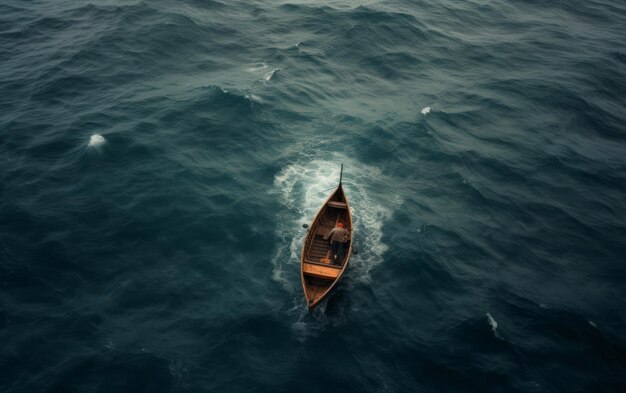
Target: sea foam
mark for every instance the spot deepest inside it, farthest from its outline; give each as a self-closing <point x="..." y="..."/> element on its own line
<point x="425" y="111"/>
<point x="253" y="98"/>
<point x="96" y="142"/>
<point x="257" y="67"/>
<point x="302" y="187"/>
<point x="270" y="75"/>
<point x="494" y="325"/>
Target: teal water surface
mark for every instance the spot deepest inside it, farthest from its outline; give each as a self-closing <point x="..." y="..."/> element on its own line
<point x="158" y="160"/>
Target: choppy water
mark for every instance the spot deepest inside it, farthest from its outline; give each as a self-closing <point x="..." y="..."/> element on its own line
<point x="158" y="158"/>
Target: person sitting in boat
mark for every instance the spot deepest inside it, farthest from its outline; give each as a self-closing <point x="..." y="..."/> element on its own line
<point x="338" y="239"/>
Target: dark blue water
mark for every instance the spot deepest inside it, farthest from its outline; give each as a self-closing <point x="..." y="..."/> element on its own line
<point x="158" y="158"/>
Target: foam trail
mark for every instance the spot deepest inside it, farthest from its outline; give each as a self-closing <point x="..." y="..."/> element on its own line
<point x="425" y="111"/>
<point x="302" y="187"/>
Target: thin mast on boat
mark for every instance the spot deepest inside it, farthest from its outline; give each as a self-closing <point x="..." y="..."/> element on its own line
<point x="341" y="174"/>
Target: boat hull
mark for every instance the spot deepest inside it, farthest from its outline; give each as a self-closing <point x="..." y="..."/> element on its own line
<point x="319" y="271"/>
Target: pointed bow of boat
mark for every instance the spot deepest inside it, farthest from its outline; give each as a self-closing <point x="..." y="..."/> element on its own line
<point x="320" y="271"/>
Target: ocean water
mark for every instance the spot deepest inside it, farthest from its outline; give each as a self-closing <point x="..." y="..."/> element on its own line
<point x="158" y="160"/>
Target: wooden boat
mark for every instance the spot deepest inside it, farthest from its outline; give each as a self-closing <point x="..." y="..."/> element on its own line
<point x="320" y="274"/>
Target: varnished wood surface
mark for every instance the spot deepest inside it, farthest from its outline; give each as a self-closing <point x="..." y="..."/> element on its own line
<point x="328" y="272"/>
<point x="319" y="273"/>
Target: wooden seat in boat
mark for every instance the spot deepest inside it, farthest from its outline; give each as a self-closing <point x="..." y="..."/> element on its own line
<point x="328" y="272"/>
<point x="337" y="204"/>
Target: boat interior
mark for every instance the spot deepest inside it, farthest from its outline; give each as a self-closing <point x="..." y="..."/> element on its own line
<point x="319" y="269"/>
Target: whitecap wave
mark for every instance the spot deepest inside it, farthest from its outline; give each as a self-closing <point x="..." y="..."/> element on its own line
<point x="494" y="325"/>
<point x="96" y="143"/>
<point x="270" y="75"/>
<point x="96" y="140"/>
<point x="492" y="322"/>
<point x="257" y="67"/>
<point x="425" y="111"/>
<point x="253" y="98"/>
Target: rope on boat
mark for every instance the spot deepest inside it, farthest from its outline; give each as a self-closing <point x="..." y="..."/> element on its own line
<point x="340" y="178"/>
<point x="332" y="188"/>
